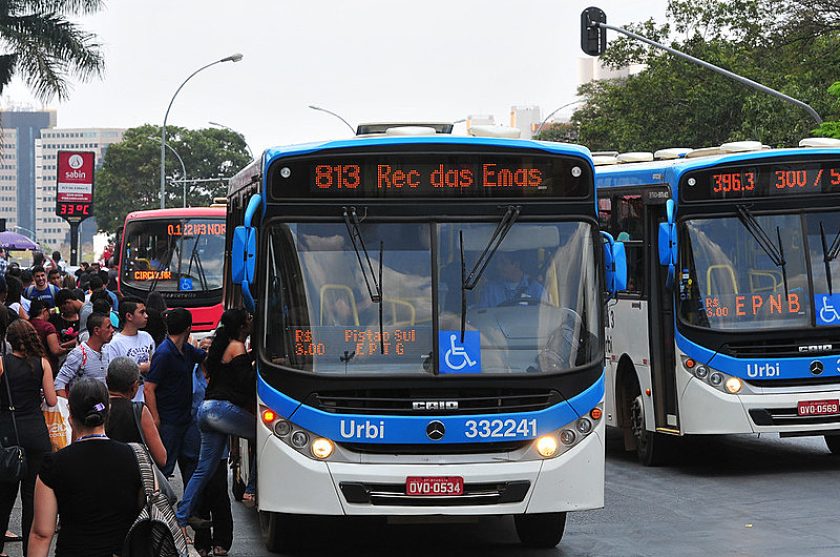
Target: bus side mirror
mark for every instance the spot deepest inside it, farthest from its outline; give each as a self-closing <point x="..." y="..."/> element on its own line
<point x="619" y="267"/>
<point x="237" y="254"/>
<point x="243" y="261"/>
<point x="668" y="243"/>
<point x="615" y="263"/>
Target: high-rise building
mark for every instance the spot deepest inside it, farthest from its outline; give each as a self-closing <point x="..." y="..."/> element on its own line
<point x="54" y="232"/>
<point x="526" y="118"/>
<point x="20" y="129"/>
<point x="8" y="177"/>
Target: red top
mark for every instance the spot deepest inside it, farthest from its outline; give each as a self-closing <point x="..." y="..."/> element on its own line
<point x="45" y="329"/>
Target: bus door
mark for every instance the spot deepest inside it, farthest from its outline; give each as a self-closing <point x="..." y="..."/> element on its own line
<point x="661" y="320"/>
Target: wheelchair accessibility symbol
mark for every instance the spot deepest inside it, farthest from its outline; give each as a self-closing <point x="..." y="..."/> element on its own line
<point x="185" y="284"/>
<point x="457" y="357"/>
<point x="828" y="309"/>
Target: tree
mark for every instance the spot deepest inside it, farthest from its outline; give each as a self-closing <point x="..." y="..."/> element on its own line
<point x="129" y="179"/>
<point x="565" y="132"/>
<point x="44" y="47"/>
<point x="673" y="103"/>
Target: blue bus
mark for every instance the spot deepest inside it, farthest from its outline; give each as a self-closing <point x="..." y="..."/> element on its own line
<point x="428" y="328"/>
<point x="729" y="322"/>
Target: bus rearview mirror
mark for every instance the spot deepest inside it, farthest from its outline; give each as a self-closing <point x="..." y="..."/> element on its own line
<point x="237" y="254"/>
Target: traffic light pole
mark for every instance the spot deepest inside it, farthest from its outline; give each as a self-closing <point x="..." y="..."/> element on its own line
<point x="594" y="20"/>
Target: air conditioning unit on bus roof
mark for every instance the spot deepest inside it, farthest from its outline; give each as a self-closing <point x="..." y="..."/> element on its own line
<point x="404" y="128"/>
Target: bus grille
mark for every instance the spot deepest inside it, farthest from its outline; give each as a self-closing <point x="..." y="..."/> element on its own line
<point x="775" y="349"/>
<point x="788" y="416"/>
<point x="474" y="494"/>
<point x="486" y="401"/>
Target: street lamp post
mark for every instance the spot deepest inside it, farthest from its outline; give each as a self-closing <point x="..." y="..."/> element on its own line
<point x="183" y="168"/>
<point x="330" y="112"/>
<point x="232" y="58"/>
<point x="553" y="112"/>
<point x="247" y="147"/>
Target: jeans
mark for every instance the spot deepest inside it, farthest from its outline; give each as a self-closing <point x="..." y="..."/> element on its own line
<point x="217" y="419"/>
<point x="182" y="444"/>
<point x="216" y="503"/>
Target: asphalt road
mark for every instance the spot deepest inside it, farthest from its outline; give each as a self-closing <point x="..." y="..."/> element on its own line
<point x="733" y="495"/>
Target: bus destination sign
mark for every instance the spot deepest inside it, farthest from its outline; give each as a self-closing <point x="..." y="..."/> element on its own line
<point x="770" y="180"/>
<point x="433" y="176"/>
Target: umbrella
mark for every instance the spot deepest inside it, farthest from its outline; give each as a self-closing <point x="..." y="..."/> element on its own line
<point x="13" y="240"/>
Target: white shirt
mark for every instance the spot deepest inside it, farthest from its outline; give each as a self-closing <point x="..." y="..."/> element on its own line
<point x="139" y="347"/>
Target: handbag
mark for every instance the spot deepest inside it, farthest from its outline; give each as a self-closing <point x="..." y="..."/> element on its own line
<point x="12" y="458"/>
<point x="57" y="419"/>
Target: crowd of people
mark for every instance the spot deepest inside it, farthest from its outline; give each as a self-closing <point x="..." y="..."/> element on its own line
<point x="130" y="372"/>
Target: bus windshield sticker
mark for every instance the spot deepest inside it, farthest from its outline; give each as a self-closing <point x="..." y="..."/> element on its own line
<point x="828" y="309"/>
<point x="185" y="284"/>
<point x="459" y="357"/>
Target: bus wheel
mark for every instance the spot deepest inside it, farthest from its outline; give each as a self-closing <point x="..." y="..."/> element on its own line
<point x="278" y="531"/>
<point x="651" y="447"/>
<point x="833" y="443"/>
<point x="540" y="530"/>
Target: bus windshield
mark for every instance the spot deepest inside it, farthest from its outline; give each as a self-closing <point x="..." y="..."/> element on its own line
<point x="174" y="255"/>
<point x="535" y="310"/>
<point x="730" y="279"/>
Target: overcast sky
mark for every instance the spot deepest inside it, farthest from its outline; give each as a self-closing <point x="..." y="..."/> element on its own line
<point x="369" y="60"/>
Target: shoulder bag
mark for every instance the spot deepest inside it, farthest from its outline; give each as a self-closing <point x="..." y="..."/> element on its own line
<point x="163" y="483"/>
<point x="12" y="458"/>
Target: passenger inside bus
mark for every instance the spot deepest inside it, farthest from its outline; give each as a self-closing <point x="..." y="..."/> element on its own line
<point x="510" y="284"/>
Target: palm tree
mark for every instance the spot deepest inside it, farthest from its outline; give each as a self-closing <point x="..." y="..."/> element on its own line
<point x="46" y="49"/>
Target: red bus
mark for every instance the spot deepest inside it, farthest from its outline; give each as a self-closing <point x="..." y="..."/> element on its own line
<point x="181" y="254"/>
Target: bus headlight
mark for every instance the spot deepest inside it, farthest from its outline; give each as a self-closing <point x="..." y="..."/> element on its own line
<point x="733" y="385"/>
<point x="567" y="436"/>
<point x="299" y="439"/>
<point x="716" y="378"/>
<point x="547" y="446"/>
<point x="282" y="428"/>
<point x="584" y="426"/>
<point x="701" y="372"/>
<point x="322" y="448"/>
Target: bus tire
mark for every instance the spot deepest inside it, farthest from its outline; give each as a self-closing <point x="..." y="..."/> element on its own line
<point x="652" y="448"/>
<point x="833" y="443"/>
<point x="278" y="531"/>
<point x="544" y="530"/>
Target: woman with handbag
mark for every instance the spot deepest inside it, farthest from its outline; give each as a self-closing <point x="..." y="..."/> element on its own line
<point x="25" y="372"/>
<point x="94" y="484"/>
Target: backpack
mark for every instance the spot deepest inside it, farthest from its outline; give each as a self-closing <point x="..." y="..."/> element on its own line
<point x="155" y="531"/>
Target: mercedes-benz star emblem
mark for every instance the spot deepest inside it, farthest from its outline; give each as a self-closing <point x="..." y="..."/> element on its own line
<point x="435" y="430"/>
<point x="816" y="367"/>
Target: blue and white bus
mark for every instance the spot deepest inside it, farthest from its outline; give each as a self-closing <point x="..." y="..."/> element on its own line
<point x="428" y="328"/>
<point x="730" y="322"/>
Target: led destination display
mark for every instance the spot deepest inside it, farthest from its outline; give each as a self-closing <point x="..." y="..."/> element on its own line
<point x="432" y="176"/>
<point x="770" y="180"/>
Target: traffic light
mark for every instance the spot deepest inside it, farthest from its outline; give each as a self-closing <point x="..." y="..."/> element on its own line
<point x="593" y="38"/>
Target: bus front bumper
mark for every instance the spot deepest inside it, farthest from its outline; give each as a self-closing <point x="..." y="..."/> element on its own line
<point x="290" y="482"/>
<point x="705" y="410"/>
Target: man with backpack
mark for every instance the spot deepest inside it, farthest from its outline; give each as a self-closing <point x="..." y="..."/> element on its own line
<point x="87" y="359"/>
<point x="41" y="289"/>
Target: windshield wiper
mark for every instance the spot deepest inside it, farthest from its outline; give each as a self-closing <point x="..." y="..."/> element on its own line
<point x="470" y="281"/>
<point x="829" y="254"/>
<point x="196" y="257"/>
<point x="170" y="251"/>
<point x="351" y="220"/>
<point x="775" y="252"/>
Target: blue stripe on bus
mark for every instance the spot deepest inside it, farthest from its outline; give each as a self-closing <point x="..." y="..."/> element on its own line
<point x="760" y="368"/>
<point x="480" y="428"/>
